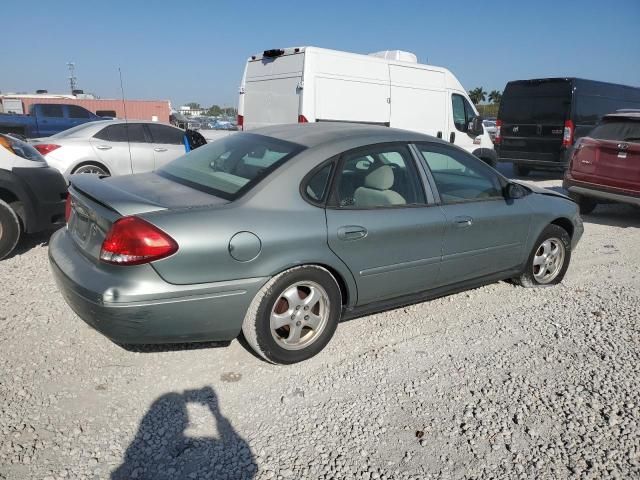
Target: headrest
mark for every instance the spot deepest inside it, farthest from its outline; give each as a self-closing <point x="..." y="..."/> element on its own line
<point x="380" y="179"/>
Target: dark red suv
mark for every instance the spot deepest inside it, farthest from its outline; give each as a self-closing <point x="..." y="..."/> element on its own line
<point x="605" y="165"/>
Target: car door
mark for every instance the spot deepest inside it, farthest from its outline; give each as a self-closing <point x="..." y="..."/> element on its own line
<point x="124" y="148"/>
<point x="383" y="224"/>
<point x="486" y="233"/>
<point x="168" y="143"/>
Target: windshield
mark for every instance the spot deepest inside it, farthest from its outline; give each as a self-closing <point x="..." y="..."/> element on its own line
<point x="620" y="130"/>
<point x="231" y="165"/>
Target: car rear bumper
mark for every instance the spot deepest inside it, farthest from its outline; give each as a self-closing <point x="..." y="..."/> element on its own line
<point x="133" y="305"/>
<point x="602" y="192"/>
<point x="543" y="160"/>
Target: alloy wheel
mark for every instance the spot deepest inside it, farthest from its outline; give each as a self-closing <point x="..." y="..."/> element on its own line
<point x="548" y="260"/>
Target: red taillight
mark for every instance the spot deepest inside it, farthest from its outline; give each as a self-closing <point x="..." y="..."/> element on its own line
<point x="240" y="122"/>
<point x="498" y="136"/>
<point x="132" y="241"/>
<point x="45" y="148"/>
<point x="67" y="208"/>
<point x="302" y="119"/>
<point x="567" y="135"/>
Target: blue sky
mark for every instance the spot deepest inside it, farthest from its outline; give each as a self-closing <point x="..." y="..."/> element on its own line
<point x="195" y="50"/>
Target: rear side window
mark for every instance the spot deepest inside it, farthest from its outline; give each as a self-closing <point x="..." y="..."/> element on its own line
<point x="78" y="112"/>
<point x="54" y="111"/>
<point x="166" y="134"/>
<point x="624" y="131"/>
<point x="132" y="132"/>
<point x="318" y="184"/>
<point x="230" y="166"/>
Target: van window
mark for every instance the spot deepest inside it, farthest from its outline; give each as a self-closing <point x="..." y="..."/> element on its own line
<point x="462" y="112"/>
<point x="536" y="102"/>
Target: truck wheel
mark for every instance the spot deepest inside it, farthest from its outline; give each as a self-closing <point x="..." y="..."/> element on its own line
<point x="521" y="170"/>
<point x="586" y="204"/>
<point x="9" y="229"/>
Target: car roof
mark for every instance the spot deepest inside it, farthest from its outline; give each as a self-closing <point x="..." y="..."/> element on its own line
<point x="630" y="113"/>
<point x="315" y="134"/>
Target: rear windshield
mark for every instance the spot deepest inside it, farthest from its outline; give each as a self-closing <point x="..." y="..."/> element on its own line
<point x="620" y="130"/>
<point x="536" y="102"/>
<point x="73" y="131"/>
<point x="232" y="165"/>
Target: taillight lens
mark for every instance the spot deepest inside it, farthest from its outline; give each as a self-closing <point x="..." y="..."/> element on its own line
<point x="240" y="122"/>
<point x="133" y="241"/>
<point x="45" y="148"/>
<point x="67" y="208"/>
<point x="567" y="135"/>
<point x="498" y="136"/>
<point x="302" y="119"/>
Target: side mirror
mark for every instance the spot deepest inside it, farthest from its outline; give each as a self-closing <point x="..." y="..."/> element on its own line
<point x="515" y="191"/>
<point x="475" y="126"/>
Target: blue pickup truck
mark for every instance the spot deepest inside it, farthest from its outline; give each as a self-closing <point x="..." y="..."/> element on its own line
<point x="46" y="119"/>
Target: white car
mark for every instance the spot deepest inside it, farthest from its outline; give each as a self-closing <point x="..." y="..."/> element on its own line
<point x="112" y="147"/>
<point x="490" y="127"/>
<point x="389" y="88"/>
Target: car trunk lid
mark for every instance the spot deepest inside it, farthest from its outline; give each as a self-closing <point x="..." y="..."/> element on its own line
<point x="98" y="202"/>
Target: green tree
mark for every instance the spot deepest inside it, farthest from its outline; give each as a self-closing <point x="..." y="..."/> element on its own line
<point x="214" y="111"/>
<point x="477" y="95"/>
<point x="495" y="96"/>
<point x="193" y="105"/>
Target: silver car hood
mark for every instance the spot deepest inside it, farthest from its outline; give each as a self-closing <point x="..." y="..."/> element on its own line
<point x="142" y="193"/>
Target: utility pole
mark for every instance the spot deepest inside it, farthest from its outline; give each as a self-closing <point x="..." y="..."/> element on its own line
<point x="72" y="76"/>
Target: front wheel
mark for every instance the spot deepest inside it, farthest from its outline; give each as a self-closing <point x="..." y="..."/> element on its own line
<point x="549" y="259"/>
<point x="9" y="229"/>
<point x="294" y="315"/>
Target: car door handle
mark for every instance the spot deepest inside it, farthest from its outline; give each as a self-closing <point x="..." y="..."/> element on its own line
<point x="103" y="147"/>
<point x="351" y="232"/>
<point x="159" y="149"/>
<point x="463" y="221"/>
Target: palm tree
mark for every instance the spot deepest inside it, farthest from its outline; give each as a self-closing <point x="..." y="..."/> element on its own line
<point x="477" y="95"/>
<point x="495" y="96"/>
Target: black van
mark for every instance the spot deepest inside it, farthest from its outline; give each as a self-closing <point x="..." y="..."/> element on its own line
<point x="539" y="120"/>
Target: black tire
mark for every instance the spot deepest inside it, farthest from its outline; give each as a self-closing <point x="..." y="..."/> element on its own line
<point x="521" y="170"/>
<point x="99" y="169"/>
<point x="586" y="204"/>
<point x="9" y="229"/>
<point x="528" y="277"/>
<point x="256" y="326"/>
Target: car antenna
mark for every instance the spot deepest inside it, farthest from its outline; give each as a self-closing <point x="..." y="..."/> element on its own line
<point x="126" y="120"/>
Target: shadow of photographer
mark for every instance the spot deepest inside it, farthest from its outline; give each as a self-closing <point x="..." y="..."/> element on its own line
<point x="163" y="450"/>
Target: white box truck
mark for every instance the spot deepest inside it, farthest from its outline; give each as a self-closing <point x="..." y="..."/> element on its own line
<point x="310" y="84"/>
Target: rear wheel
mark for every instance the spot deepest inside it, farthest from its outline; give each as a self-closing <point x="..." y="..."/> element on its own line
<point x="586" y="204"/>
<point x="9" y="229"/>
<point x="91" y="168"/>
<point x="549" y="259"/>
<point x="294" y="315"/>
<point x="521" y="170"/>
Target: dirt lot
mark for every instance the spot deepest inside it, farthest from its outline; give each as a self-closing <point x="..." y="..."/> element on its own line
<point x="496" y="382"/>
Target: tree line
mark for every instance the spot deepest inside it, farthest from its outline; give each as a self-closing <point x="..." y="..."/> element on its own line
<point x="214" y="110"/>
<point x="479" y="95"/>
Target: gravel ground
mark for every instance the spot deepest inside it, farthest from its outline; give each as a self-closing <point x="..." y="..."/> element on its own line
<point x="497" y="382"/>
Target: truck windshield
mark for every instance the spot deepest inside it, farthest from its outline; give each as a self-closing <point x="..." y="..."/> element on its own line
<point x="231" y="166"/>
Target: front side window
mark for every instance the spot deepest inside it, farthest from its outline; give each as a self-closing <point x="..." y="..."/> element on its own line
<point x="380" y="176"/>
<point x="132" y="132"/>
<point x="232" y="165"/>
<point x="460" y="177"/>
<point x="459" y="116"/>
<point x="166" y="134"/>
